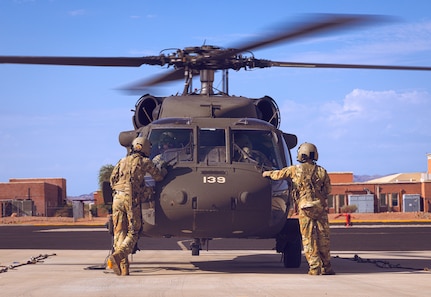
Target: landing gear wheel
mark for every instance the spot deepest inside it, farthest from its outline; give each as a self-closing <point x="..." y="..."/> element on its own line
<point x="292" y="254"/>
<point x="196" y="247"/>
<point x="289" y="243"/>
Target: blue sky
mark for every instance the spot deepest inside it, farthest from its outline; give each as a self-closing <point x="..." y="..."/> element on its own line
<point x="60" y="121"/>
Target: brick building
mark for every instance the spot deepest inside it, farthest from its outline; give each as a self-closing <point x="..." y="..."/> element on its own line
<point x="32" y="196"/>
<point x="403" y="192"/>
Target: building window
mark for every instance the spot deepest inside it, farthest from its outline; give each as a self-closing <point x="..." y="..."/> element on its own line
<point x="394" y="199"/>
<point x="341" y="200"/>
<point x="383" y="200"/>
<point x="330" y="201"/>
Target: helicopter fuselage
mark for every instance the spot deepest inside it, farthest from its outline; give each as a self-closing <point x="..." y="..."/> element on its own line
<point x="214" y="186"/>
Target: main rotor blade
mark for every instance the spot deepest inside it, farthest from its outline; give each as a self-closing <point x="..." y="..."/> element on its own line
<point x="177" y="74"/>
<point x="351" y="66"/>
<point x="84" y="61"/>
<point x="320" y="24"/>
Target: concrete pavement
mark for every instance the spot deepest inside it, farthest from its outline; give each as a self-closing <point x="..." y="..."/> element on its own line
<point x="213" y="273"/>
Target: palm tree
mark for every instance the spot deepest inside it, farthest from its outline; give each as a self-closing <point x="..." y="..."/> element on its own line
<point x="104" y="177"/>
<point x="104" y="174"/>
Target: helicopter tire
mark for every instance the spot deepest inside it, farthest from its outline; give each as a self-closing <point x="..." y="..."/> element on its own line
<point x="195" y="251"/>
<point x="292" y="244"/>
<point x="195" y="247"/>
<point x="292" y="255"/>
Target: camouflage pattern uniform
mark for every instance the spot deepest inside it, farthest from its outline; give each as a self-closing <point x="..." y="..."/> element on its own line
<point x="128" y="184"/>
<point x="311" y="187"/>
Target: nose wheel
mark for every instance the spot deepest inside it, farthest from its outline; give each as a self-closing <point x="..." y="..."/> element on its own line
<point x="195" y="246"/>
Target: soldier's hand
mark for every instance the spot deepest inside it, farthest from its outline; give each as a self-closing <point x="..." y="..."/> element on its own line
<point x="266" y="173"/>
<point x="160" y="164"/>
<point x="164" y="171"/>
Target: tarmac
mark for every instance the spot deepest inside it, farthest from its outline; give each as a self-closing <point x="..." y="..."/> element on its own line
<point x="239" y="273"/>
<point x="213" y="273"/>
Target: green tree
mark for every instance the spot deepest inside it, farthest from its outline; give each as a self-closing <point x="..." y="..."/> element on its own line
<point x="105" y="173"/>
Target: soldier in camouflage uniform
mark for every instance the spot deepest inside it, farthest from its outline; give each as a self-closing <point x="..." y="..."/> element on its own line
<point x="128" y="184"/>
<point x="311" y="187"/>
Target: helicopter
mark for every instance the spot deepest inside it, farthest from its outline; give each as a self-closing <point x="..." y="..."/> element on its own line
<point x="219" y="144"/>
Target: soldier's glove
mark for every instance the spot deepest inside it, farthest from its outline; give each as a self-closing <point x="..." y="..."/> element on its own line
<point x="164" y="171"/>
<point x="160" y="164"/>
<point x="266" y="173"/>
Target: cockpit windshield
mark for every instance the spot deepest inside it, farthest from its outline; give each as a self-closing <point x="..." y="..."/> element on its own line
<point x="218" y="146"/>
<point x="171" y="145"/>
<point x="256" y="146"/>
<point x="212" y="146"/>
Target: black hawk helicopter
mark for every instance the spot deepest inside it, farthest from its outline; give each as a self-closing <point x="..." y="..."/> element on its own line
<point x="217" y="145"/>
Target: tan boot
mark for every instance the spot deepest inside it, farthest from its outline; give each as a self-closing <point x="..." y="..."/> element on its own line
<point x="124" y="265"/>
<point x="114" y="262"/>
<point x="328" y="271"/>
<point x="314" y="271"/>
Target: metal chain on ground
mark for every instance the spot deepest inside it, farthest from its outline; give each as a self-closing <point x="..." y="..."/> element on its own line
<point x="33" y="260"/>
<point x="381" y="263"/>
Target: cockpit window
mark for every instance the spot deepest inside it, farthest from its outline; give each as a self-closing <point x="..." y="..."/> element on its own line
<point x="212" y="146"/>
<point x="171" y="145"/>
<point x="259" y="147"/>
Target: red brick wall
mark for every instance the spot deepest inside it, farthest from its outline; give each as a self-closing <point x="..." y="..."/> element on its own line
<point x="99" y="202"/>
<point x="59" y="182"/>
<point x="426" y="192"/>
<point x="48" y="195"/>
<point x="341" y="177"/>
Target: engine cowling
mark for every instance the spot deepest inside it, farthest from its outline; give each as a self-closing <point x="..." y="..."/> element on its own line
<point x="268" y="111"/>
<point x="146" y="110"/>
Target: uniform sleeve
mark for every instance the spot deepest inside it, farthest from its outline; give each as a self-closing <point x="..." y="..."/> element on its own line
<point x="150" y="167"/>
<point x="137" y="172"/>
<point x="114" y="175"/>
<point x="282" y="173"/>
<point x="326" y="187"/>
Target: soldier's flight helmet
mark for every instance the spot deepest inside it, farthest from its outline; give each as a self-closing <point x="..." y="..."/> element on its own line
<point x="166" y="139"/>
<point x="307" y="151"/>
<point x="141" y="144"/>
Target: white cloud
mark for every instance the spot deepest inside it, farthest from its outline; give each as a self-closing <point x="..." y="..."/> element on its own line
<point x="375" y="105"/>
<point x="366" y="129"/>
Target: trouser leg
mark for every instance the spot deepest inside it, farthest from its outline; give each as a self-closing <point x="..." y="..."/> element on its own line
<point x="310" y="243"/>
<point x="324" y="244"/>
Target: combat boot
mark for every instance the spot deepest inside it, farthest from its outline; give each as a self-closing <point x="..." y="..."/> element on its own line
<point x="124" y="265"/>
<point x="328" y="271"/>
<point x="314" y="271"/>
<point x="114" y="262"/>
